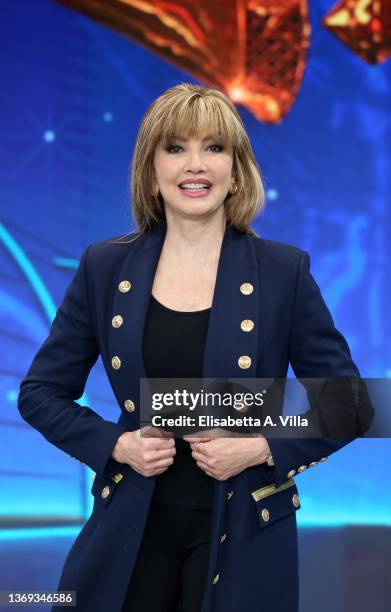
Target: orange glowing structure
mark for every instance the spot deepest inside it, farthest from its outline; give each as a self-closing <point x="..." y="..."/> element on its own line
<point x="254" y="51"/>
<point x="364" y="26"/>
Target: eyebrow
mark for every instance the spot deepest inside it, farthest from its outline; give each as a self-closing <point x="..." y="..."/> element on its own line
<point x="209" y="137"/>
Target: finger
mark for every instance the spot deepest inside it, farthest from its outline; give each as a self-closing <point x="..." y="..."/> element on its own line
<point x="162" y="433"/>
<point x="158" y="443"/>
<point x="165" y="453"/>
<point x="163" y="463"/>
<point x="151" y="457"/>
<point x="159" y="471"/>
<point x="205" y="469"/>
<point x="198" y="456"/>
<point x="156" y="433"/>
<point x="199" y="450"/>
<point x="199" y="443"/>
<point x="151" y="432"/>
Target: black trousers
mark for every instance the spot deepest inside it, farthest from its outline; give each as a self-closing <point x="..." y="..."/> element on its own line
<point x="172" y="563"/>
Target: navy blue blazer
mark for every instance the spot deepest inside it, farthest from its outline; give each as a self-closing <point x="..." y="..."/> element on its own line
<point x="253" y="563"/>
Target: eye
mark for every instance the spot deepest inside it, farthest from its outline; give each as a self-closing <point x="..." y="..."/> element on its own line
<point x="219" y="147"/>
<point x="170" y="148"/>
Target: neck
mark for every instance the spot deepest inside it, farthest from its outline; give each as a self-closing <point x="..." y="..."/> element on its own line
<point x="199" y="239"/>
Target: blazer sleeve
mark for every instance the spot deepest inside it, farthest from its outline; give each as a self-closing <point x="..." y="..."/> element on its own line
<point x="57" y="377"/>
<point x="317" y="350"/>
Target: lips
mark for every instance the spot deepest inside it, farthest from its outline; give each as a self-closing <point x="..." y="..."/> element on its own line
<point x="195" y="190"/>
<point x="200" y="182"/>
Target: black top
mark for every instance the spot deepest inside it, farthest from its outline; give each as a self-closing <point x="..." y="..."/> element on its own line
<point x="173" y="347"/>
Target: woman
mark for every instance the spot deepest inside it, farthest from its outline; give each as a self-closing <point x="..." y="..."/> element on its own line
<point x="193" y="524"/>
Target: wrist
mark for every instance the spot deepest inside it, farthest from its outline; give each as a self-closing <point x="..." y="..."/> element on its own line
<point x="269" y="460"/>
<point x="117" y="450"/>
<point x="262" y="451"/>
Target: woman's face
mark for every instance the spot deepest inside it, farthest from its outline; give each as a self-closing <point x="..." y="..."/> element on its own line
<point x="203" y="165"/>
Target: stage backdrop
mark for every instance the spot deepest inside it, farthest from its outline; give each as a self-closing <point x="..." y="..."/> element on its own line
<point x="73" y="94"/>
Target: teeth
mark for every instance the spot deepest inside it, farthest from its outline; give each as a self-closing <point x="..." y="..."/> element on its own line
<point x="194" y="186"/>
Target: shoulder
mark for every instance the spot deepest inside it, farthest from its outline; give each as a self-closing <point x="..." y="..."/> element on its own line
<point x="278" y="249"/>
<point x="273" y="253"/>
<point x="111" y="248"/>
<point x="116" y="243"/>
<point x="102" y="260"/>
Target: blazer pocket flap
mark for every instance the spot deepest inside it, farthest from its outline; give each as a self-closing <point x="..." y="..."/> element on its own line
<point x="273" y="503"/>
<point x="103" y="489"/>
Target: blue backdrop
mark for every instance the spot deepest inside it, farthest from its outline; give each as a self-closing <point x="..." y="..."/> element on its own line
<point x="73" y="94"/>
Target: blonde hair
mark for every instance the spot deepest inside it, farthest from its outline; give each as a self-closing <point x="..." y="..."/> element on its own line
<point x="188" y="110"/>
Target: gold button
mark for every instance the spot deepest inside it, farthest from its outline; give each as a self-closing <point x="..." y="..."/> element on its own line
<point x="302" y="468"/>
<point x="229" y="495"/>
<point x="117" y="321"/>
<point x="216" y="578"/>
<point x="223" y="537"/>
<point x="265" y="514"/>
<point x="296" y="500"/>
<point x="244" y="362"/>
<point x="116" y="362"/>
<point x="105" y="492"/>
<point x="129" y="405"/>
<point x="247" y="325"/>
<point x="323" y="459"/>
<point x="117" y="477"/>
<point x="124" y="286"/>
<point x="313" y="464"/>
<point x="246" y="288"/>
<point x="291" y="473"/>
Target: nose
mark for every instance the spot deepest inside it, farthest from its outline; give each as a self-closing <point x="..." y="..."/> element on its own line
<point x="195" y="162"/>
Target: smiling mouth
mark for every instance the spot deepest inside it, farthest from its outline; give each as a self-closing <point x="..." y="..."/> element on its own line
<point x="198" y="188"/>
<point x="201" y="191"/>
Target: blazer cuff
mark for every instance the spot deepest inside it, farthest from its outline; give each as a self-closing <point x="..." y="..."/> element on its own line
<point x="293" y="456"/>
<point x="101" y="461"/>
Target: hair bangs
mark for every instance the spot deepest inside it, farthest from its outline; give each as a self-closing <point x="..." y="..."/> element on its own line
<point x="198" y="117"/>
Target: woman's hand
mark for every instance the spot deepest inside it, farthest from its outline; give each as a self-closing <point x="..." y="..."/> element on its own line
<point x="148" y="454"/>
<point x="222" y="458"/>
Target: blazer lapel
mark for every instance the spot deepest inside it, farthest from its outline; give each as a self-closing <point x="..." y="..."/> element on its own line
<point x="232" y="335"/>
<point x="231" y="342"/>
<point x="132" y="293"/>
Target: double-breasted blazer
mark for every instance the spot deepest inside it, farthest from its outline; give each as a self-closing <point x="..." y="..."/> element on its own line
<point x="253" y="560"/>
